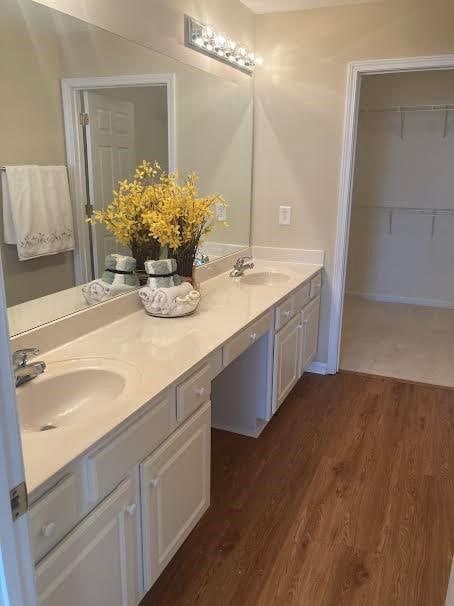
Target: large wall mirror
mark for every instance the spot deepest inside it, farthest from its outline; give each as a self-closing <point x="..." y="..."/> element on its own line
<point x="88" y="106"/>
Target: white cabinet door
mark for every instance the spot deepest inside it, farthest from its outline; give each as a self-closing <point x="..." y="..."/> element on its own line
<point x="309" y="340"/>
<point x="175" y="487"/>
<point x="111" y="151"/>
<point x="286" y="350"/>
<point x="97" y="564"/>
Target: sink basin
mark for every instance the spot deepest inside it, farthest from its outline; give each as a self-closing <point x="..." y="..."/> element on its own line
<point x="264" y="278"/>
<point x="71" y="391"/>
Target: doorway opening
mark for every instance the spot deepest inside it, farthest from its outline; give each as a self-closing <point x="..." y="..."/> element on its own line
<point x="112" y="125"/>
<point x="393" y="285"/>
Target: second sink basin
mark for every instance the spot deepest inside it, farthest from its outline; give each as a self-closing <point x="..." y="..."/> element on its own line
<point x="71" y="391"/>
<point x="264" y="278"/>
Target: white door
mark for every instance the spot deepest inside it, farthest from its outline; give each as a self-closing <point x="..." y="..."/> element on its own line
<point x="111" y="152"/>
<point x="17" y="582"/>
<point x="309" y="341"/>
<point x="286" y="360"/>
<point x="175" y="487"/>
<point x="97" y="564"/>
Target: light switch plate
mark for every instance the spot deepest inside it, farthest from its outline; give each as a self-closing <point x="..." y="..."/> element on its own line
<point x="285" y="215"/>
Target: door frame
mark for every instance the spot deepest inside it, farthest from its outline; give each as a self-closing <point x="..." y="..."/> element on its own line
<point x="17" y="574"/>
<point x="75" y="153"/>
<point x="356" y="70"/>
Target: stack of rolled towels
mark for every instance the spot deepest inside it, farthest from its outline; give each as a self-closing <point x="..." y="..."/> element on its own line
<point x="118" y="278"/>
<point x="165" y="294"/>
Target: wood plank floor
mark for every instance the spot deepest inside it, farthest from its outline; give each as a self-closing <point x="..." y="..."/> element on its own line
<point x="347" y="499"/>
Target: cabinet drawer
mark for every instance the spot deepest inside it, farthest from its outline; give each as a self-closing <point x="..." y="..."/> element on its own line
<point x="53" y="516"/>
<point x="109" y="464"/>
<point x="246" y="338"/>
<point x="284" y="312"/>
<point x="194" y="392"/>
<point x="302" y="296"/>
<point x="316" y="286"/>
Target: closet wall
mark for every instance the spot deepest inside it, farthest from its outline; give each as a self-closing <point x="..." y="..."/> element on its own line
<point x="402" y="228"/>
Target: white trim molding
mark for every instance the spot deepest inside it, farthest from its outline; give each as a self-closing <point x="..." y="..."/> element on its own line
<point x="75" y="155"/>
<point x="317" y="368"/>
<point x="355" y="71"/>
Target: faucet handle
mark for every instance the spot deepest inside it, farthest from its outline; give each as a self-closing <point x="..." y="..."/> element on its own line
<point x="20" y="357"/>
<point x="241" y="261"/>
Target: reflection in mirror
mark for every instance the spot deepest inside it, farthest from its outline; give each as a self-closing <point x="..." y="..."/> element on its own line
<point x="122" y="103"/>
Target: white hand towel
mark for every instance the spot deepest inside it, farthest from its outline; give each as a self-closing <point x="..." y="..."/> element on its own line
<point x="98" y="291"/>
<point x="37" y="212"/>
<point x="163" y="299"/>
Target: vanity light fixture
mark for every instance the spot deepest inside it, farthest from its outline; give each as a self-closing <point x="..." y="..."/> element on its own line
<point x="218" y="45"/>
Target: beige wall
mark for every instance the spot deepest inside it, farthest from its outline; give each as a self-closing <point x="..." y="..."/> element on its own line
<point x="299" y="110"/>
<point x="159" y="24"/>
<point x="30" y="132"/>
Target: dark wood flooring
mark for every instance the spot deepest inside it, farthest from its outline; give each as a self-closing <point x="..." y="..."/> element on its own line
<point x="347" y="499"/>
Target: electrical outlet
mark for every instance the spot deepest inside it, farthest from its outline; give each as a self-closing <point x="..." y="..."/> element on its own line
<point x="221" y="212"/>
<point x="285" y="215"/>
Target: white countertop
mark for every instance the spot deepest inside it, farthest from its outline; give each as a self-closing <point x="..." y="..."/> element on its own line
<point x="163" y="350"/>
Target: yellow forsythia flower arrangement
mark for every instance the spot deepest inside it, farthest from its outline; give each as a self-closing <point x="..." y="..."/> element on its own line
<point x="155" y="214"/>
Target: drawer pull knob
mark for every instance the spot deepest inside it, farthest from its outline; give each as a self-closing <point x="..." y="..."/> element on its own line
<point x="131" y="510"/>
<point x="48" y="530"/>
<point x="253" y="336"/>
<point x="200" y="391"/>
<point x="287" y="313"/>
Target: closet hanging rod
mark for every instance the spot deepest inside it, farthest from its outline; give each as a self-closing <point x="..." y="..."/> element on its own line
<point x="405" y="209"/>
<point x="409" y="108"/>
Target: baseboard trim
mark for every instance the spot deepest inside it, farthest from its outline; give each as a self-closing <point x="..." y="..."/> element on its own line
<point x="317" y="368"/>
<point x="404" y="300"/>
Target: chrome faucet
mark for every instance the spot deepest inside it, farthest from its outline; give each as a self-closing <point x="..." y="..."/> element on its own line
<point x="23" y="371"/>
<point x="240" y="265"/>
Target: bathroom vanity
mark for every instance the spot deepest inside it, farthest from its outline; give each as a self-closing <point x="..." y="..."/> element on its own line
<point x="116" y="490"/>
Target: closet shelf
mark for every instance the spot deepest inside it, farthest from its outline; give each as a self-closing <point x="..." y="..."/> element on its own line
<point x="405" y="109"/>
<point x="409" y="108"/>
<point x="404" y="210"/>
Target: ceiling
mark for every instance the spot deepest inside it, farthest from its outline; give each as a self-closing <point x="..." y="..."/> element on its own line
<point x="283" y="6"/>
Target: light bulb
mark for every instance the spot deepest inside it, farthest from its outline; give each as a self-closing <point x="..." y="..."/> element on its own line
<point x="220" y="40"/>
<point x="231" y="44"/>
<point x="208" y="33"/>
<point x="242" y="51"/>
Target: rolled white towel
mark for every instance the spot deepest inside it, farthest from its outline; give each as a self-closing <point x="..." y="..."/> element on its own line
<point x="98" y="291"/>
<point x="167" y="296"/>
<point x="160" y="302"/>
<point x="147" y="294"/>
<point x="188" y="303"/>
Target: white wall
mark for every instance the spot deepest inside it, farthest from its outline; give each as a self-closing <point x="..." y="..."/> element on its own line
<point x="31" y="131"/>
<point x="404" y="257"/>
<point x="299" y="110"/>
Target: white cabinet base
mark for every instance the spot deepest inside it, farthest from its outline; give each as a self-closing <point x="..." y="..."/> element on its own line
<point x="98" y="562"/>
<point x="175" y="484"/>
